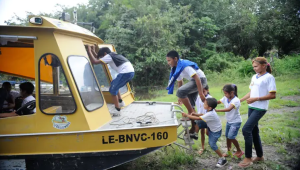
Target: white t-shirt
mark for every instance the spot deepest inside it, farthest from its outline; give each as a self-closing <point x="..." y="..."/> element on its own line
<point x="188" y="72"/>
<point x="261" y="86"/>
<point x="212" y="120"/>
<point x="234" y="115"/>
<point x="124" y="68"/>
<point x="28" y="99"/>
<point x="200" y="104"/>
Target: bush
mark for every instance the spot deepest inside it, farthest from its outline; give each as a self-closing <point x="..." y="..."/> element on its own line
<point x="245" y="68"/>
<point x="216" y="63"/>
<point x="287" y="65"/>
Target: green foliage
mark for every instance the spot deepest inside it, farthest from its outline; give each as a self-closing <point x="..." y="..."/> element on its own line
<point x="245" y="69"/>
<point x="287" y="65"/>
<point x="216" y="63"/>
<point x="215" y="34"/>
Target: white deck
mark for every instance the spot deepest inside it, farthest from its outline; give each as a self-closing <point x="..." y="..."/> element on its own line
<point x="159" y="114"/>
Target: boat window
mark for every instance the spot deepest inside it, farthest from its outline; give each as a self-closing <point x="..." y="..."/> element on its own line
<point x="54" y="92"/>
<point x="103" y="79"/>
<point x="86" y="82"/>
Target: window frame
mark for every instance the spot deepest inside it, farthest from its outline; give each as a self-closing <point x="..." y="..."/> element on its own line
<point x="39" y="85"/>
<point x="68" y="60"/>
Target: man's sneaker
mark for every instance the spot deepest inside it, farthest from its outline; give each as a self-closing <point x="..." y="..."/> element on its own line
<point x="222" y="162"/>
<point x="194" y="136"/>
<point x="115" y="112"/>
<point x="122" y="104"/>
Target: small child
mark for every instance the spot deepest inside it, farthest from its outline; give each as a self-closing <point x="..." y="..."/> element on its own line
<point x="214" y="127"/>
<point x="201" y="124"/>
<point x="232" y="105"/>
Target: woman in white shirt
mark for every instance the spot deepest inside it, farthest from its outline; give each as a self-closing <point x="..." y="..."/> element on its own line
<point x="262" y="89"/>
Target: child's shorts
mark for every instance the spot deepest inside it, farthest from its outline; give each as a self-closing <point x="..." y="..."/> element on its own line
<point x="121" y="80"/>
<point x="232" y="130"/>
<point x="213" y="139"/>
<point x="201" y="124"/>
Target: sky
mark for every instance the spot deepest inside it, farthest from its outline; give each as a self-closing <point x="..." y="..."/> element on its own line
<point x="19" y="7"/>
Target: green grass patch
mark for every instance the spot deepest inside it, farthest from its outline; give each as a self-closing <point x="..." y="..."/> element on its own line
<point x="166" y="158"/>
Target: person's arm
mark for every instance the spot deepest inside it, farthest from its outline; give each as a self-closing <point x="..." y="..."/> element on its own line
<point x="247" y="96"/>
<point x="199" y="86"/>
<point x="180" y="83"/>
<point x="219" y="102"/>
<point x="94" y="51"/>
<point x="225" y="110"/>
<point x="271" y="95"/>
<point x="191" y="117"/>
<point x="11" y="114"/>
<point x="195" y="114"/>
<point x="91" y="56"/>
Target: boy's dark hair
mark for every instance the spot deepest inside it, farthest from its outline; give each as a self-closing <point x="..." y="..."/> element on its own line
<point x="27" y="86"/>
<point x="229" y="88"/>
<point x="173" y="54"/>
<point x="206" y="87"/>
<point x="102" y="51"/>
<point x="212" y="102"/>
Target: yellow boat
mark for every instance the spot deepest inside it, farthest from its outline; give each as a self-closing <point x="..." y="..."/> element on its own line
<point x="72" y="127"/>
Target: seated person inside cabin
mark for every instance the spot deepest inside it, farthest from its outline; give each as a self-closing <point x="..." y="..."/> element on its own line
<point x="9" y="104"/>
<point x="26" y="90"/>
<point x="4" y="96"/>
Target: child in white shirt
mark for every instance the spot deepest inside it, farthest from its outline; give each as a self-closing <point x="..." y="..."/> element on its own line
<point x="232" y="105"/>
<point x="201" y="124"/>
<point x="214" y="127"/>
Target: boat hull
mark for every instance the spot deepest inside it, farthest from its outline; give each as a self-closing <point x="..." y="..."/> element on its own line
<point x="80" y="161"/>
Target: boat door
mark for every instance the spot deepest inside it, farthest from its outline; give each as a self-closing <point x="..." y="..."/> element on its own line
<point x="105" y="74"/>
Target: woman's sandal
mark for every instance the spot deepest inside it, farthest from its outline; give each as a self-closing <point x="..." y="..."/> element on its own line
<point x="257" y="159"/>
<point x="245" y="165"/>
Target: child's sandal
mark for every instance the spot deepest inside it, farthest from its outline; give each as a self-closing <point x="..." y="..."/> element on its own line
<point x="200" y="151"/>
<point x="239" y="155"/>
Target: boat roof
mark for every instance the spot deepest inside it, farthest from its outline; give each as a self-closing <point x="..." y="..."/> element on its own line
<point x="50" y="24"/>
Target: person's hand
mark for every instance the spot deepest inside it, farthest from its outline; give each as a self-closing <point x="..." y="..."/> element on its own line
<point x="14" y="113"/>
<point x="179" y="102"/>
<point x="194" y="114"/>
<point x="92" y="47"/>
<point x="87" y="47"/>
<point x="184" y="114"/>
<point x="252" y="100"/>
